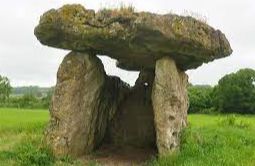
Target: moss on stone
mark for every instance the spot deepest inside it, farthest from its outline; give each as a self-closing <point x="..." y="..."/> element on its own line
<point x="135" y="39"/>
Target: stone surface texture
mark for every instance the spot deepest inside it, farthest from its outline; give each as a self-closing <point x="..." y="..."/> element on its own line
<point x="133" y="124"/>
<point x="91" y="109"/>
<point x="170" y="104"/>
<point x="135" y="39"/>
<point x="77" y="123"/>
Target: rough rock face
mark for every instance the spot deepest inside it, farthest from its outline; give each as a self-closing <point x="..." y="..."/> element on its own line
<point x="135" y="39"/>
<point x="84" y="102"/>
<point x="90" y="109"/>
<point x="76" y="122"/>
<point x="170" y="104"/>
<point x="133" y="124"/>
<point x="115" y="91"/>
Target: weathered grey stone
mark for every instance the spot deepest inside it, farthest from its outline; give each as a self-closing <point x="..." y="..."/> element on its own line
<point x="133" y="124"/>
<point x="90" y="108"/>
<point x="115" y="91"/>
<point x="170" y="104"/>
<point x="77" y="124"/>
<point x="135" y="39"/>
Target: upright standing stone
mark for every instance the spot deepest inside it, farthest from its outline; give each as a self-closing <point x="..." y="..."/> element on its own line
<point x="77" y="124"/>
<point x="170" y="104"/>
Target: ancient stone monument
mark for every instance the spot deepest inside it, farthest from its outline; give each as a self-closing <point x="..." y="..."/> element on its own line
<point x="90" y="108"/>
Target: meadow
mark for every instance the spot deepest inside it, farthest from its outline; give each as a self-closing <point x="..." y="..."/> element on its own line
<point x="209" y="140"/>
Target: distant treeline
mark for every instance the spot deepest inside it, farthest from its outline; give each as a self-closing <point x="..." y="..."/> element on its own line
<point x="235" y="93"/>
<point x="28" y="97"/>
<point x="34" y="90"/>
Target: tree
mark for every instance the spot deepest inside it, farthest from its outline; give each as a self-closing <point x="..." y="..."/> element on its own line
<point x="200" y="98"/>
<point x="235" y="93"/>
<point x="5" y="88"/>
<point x="47" y="99"/>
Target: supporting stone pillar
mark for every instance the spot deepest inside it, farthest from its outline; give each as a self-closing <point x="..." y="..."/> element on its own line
<point x="170" y="104"/>
<point x="77" y="124"/>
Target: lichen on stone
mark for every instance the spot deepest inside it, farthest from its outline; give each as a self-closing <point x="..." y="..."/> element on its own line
<point x="135" y="39"/>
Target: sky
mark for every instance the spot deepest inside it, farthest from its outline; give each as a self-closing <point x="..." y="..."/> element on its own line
<point x="26" y="62"/>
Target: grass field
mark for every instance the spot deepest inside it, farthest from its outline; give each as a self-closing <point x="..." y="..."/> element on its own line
<point x="19" y="120"/>
<point x="215" y="140"/>
<point x="209" y="140"/>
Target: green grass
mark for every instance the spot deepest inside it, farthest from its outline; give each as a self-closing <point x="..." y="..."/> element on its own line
<point x="22" y="120"/>
<point x="21" y="139"/>
<point x="215" y="140"/>
<point x="16" y="124"/>
<point x="21" y="130"/>
<point x="209" y="140"/>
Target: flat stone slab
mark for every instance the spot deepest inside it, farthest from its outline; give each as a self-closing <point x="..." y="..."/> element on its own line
<point x="135" y="39"/>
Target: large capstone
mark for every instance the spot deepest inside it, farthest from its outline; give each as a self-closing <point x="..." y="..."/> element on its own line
<point x="135" y="39"/>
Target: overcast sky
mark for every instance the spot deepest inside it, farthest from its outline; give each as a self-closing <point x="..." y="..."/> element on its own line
<point x="26" y="62"/>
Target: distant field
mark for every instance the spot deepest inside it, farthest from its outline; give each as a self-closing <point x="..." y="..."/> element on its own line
<point x="19" y="120"/>
<point x="208" y="141"/>
<point x="203" y="120"/>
